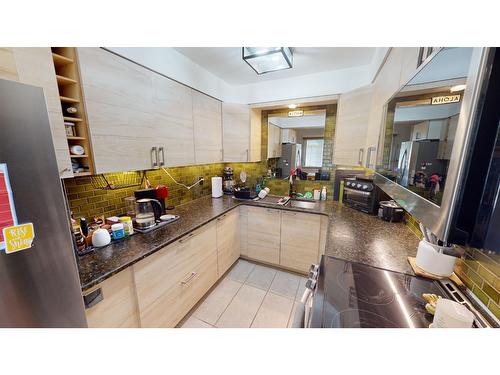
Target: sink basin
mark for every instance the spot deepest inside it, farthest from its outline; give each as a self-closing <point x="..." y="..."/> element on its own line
<point x="303" y="204"/>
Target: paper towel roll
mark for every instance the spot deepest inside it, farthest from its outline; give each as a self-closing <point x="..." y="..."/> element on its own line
<point x="216" y="187"/>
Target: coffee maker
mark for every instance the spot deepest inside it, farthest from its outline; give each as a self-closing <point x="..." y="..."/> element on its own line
<point x="227" y="180"/>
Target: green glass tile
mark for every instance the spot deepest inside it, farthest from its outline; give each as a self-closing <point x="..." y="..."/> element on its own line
<point x="480" y="294"/>
<point x="494" y="308"/>
<point x="486" y="275"/>
<point x="491" y="292"/>
<point x="475" y="277"/>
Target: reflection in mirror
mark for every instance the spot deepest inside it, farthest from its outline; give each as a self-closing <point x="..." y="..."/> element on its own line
<point x="421" y="122"/>
<point x="300" y="142"/>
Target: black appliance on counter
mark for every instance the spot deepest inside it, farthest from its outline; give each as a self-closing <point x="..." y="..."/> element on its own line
<point x="354" y="295"/>
<point x="362" y="194"/>
<point x="391" y="211"/>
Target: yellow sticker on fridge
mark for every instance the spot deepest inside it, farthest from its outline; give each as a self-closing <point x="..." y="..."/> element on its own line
<point x="18" y="237"/>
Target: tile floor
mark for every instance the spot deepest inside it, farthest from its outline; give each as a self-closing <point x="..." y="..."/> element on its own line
<point x="250" y="295"/>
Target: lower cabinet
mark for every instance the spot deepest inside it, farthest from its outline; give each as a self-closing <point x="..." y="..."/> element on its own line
<point x="228" y="240"/>
<point x="264" y="234"/>
<point x="118" y="308"/>
<point x="171" y="281"/>
<point x="290" y="239"/>
<point x="300" y="240"/>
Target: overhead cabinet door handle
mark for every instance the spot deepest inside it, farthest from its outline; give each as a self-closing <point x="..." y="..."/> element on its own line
<point x="154" y="157"/>
<point x="162" y="160"/>
<point x="360" y="156"/>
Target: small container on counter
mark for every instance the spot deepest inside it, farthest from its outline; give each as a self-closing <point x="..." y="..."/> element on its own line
<point x="127" y="225"/>
<point x="118" y="231"/>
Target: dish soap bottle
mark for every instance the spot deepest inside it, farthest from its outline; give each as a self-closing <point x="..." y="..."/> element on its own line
<point x="323" y="193"/>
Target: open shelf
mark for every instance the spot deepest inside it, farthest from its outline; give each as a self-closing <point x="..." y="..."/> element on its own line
<point x="60" y="60"/>
<point x="68" y="79"/>
<point x="72" y="119"/>
<point x="81" y="174"/>
<point x="65" y="99"/>
<point x="61" y="80"/>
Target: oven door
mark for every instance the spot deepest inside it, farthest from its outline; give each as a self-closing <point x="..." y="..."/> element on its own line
<point x="303" y="313"/>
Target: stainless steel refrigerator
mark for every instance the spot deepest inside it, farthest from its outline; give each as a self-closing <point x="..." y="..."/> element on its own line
<point x="417" y="156"/>
<point x="39" y="286"/>
<point x="291" y="158"/>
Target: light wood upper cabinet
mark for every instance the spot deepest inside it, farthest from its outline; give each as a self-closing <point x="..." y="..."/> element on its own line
<point x="118" y="309"/>
<point x="264" y="234"/>
<point x="255" y="135"/>
<point x="119" y="100"/>
<point x="173" y="120"/>
<point x="207" y="116"/>
<point x="34" y="66"/>
<point x="273" y="141"/>
<point x="236" y="132"/>
<point x="300" y="240"/>
<point x="171" y="281"/>
<point x="228" y="240"/>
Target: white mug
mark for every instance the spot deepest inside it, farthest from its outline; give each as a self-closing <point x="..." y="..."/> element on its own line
<point x="451" y="314"/>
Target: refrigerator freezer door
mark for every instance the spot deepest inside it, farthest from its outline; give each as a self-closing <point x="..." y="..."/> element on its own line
<point x="39" y="287"/>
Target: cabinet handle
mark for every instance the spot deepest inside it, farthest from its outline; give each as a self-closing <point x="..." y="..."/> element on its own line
<point x="222" y="154"/>
<point x="189" y="278"/>
<point x="221" y="218"/>
<point x="154" y="157"/>
<point x="162" y="160"/>
<point x="360" y="156"/>
<point x="248" y="155"/>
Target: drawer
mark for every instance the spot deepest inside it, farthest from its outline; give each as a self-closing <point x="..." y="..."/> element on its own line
<point x="161" y="277"/>
<point x="228" y="240"/>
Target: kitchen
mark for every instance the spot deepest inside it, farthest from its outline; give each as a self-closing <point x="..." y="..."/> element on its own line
<point x="193" y="187"/>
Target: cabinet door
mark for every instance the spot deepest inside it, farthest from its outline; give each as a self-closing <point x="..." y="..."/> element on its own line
<point x="228" y="240"/>
<point x="119" y="102"/>
<point x="118" y="309"/>
<point x="173" y="279"/>
<point x="236" y="132"/>
<point x="173" y="121"/>
<point x="271" y="133"/>
<point x="264" y="234"/>
<point x="255" y="135"/>
<point x="300" y="240"/>
<point x="207" y="116"/>
<point x="244" y="230"/>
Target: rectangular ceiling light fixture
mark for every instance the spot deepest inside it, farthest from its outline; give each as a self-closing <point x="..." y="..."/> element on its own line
<point x="268" y="59"/>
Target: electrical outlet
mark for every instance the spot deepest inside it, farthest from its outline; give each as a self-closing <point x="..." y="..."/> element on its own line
<point x="201" y="179"/>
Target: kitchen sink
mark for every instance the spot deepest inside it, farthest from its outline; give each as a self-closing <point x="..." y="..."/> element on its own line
<point x="306" y="204"/>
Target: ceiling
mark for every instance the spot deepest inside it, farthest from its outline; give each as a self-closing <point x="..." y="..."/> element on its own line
<point x="227" y="63"/>
<point x="306" y="121"/>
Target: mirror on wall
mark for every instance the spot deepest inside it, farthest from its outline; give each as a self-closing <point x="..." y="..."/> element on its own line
<point x="297" y="143"/>
<point x="421" y="122"/>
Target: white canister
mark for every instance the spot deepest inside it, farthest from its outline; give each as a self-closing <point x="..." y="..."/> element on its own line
<point x="100" y="238"/>
<point x="317" y="194"/>
<point x="451" y="314"/>
<point x="216" y="187"/>
<point x="431" y="259"/>
<point x="263" y="193"/>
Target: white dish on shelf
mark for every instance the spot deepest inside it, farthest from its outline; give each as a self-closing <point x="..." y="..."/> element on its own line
<point x="77" y="150"/>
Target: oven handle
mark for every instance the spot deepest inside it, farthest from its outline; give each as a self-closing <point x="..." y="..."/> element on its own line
<point x="357" y="191"/>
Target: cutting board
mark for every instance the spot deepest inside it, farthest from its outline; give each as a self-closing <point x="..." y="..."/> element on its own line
<point x="420" y="272"/>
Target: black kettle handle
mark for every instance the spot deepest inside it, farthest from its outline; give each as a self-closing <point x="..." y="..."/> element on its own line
<point x="157" y="208"/>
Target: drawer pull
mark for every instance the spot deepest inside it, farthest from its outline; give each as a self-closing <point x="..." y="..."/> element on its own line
<point x="189" y="278"/>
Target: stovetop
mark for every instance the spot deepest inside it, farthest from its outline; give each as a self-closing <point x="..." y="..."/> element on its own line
<point x="354" y="295"/>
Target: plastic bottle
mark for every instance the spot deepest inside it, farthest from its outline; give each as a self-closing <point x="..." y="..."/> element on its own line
<point x="323" y="193"/>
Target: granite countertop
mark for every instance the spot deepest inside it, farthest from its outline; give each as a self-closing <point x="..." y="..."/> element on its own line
<point x="352" y="235"/>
